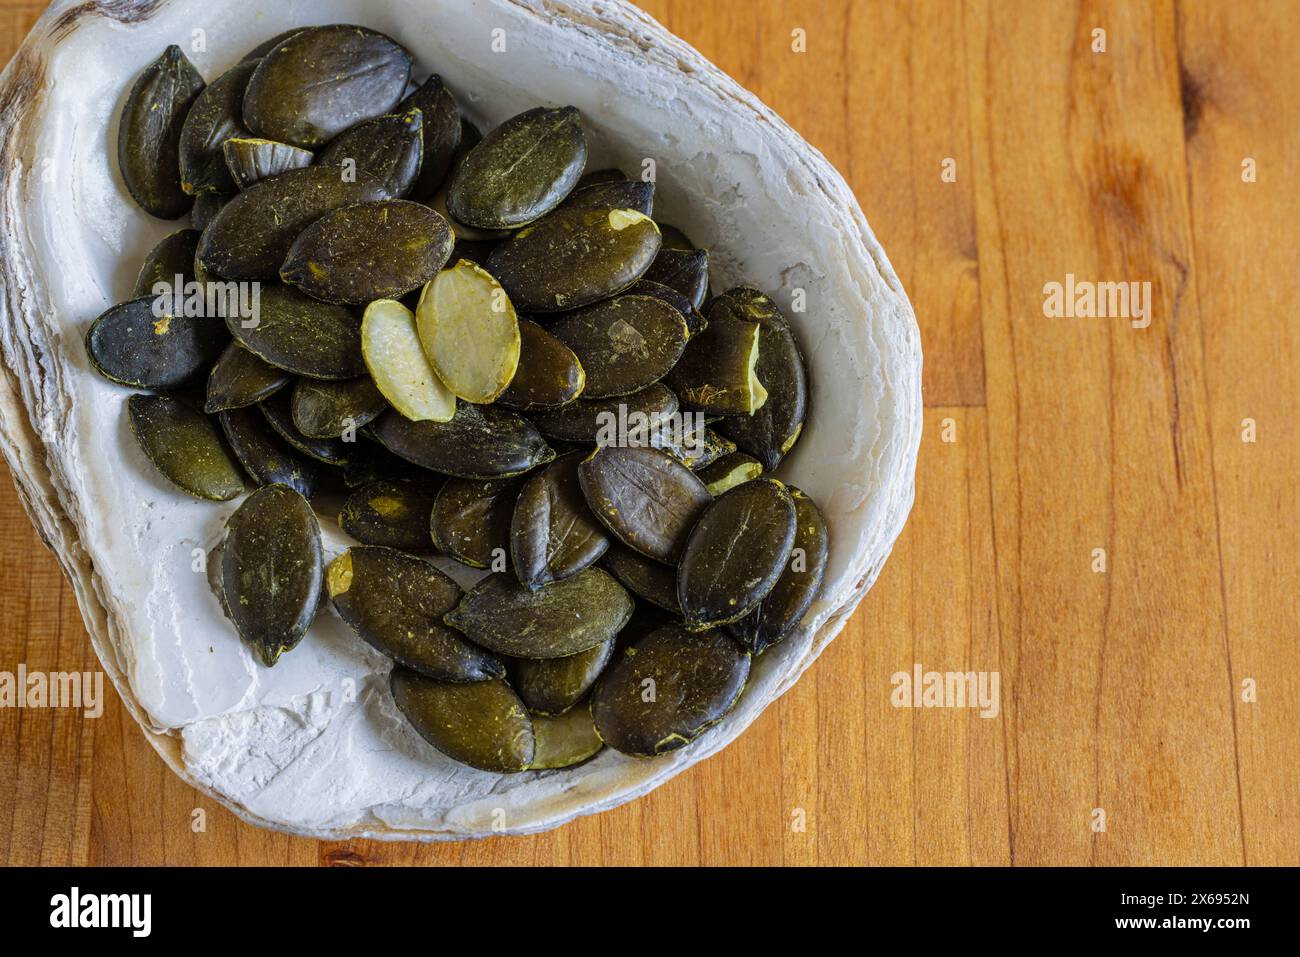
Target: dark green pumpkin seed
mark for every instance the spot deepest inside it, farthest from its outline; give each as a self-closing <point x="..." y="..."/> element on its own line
<point x="574" y="257"/>
<point x="736" y="553"/>
<point x="683" y="270"/>
<point x="553" y="534"/>
<point x="172" y="257"/>
<point x="520" y="171"/>
<point x="699" y="447"/>
<point x="554" y="685"/>
<point x="586" y="420"/>
<point x="205" y="209"/>
<point x="780" y="612"/>
<point x="395" y="603"/>
<point x="549" y="375"/>
<point x="184" y="446"/>
<point x="326" y="410"/>
<point x="674" y="238"/>
<point x="564" y="740"/>
<point x="614" y="194"/>
<point x="369" y="251"/>
<point x="644" y="577"/>
<point x="318" y="82"/>
<point x="252" y="234"/>
<point x="240" y="379"/>
<point x="559" y="619"/>
<point x="729" y="471"/>
<point x="392" y="512"/>
<point x="772" y="431"/>
<point x="717" y="371"/>
<point x="370" y="462"/>
<point x="266" y="46"/>
<point x="128" y="344"/>
<point x="302" y="335"/>
<point x="149" y="133"/>
<point x="471" y="520"/>
<point x="271" y="566"/>
<point x="624" y="344"/>
<point x="667" y="689"/>
<point x="250" y="159"/>
<point x="482" y="724"/>
<point x="648" y="499"/>
<point x="388" y="149"/>
<point x="266" y="458"/>
<point x="278" y="412"/>
<point x="606" y="175"/>
<point x="480" y="441"/>
<point x="216" y="116"/>
<point x="695" y="322"/>
<point x="442" y="132"/>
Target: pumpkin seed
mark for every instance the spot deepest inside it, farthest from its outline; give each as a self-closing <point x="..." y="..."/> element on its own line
<point x="266" y="458"/>
<point x="607" y="175"/>
<point x="252" y="234"/>
<point x="149" y="133"/>
<point x="205" y="209"/>
<point x="553" y="534"/>
<point x="482" y="724"/>
<point x="574" y="257"/>
<point x="780" y="612"/>
<point x="729" y="471"/>
<point x="279" y="414"/>
<point x="357" y="254"/>
<point x="216" y="116"/>
<point x="613" y="194"/>
<point x="667" y="689"/>
<point x="184" y="446"/>
<point x="250" y="159"/>
<point x="644" y="577"/>
<point x="172" y="257"/>
<point x="564" y="740"/>
<point x="438" y="203"/>
<point x="302" y="335"/>
<point x="695" y="322"/>
<point x="318" y="82"/>
<point x="370" y="462"/>
<point x="239" y="379"/>
<point x="648" y="499"/>
<point x="736" y="553"/>
<point x="674" y="238"/>
<point x="716" y="372"/>
<point x="520" y="171"/>
<point x="471" y="520"/>
<point x="700" y="448"/>
<point x="130" y="345"/>
<point x="554" y="685"/>
<point x="266" y="46"/>
<point x="479" y="441"/>
<point x="549" y="375"/>
<point x="388" y="149"/>
<point x="391" y="347"/>
<point x="469" y="331"/>
<point x="587" y="420"/>
<point x="771" y="431"/>
<point x="327" y="410"/>
<point x="442" y="132"/>
<point x="392" y="512"/>
<point x="559" y="619"/>
<point x="395" y="603"/>
<point x="271" y="567"/>
<point x="683" y="270"/>
<point x="625" y="343"/>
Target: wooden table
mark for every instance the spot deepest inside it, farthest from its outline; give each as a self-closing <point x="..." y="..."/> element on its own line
<point x="1164" y="690"/>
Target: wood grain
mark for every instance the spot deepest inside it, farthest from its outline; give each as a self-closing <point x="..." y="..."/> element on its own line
<point x="1122" y="690"/>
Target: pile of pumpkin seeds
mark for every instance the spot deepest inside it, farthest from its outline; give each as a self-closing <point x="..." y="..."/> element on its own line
<point x="466" y="346"/>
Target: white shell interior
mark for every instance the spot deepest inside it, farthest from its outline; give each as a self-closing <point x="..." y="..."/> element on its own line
<point x="315" y="745"/>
